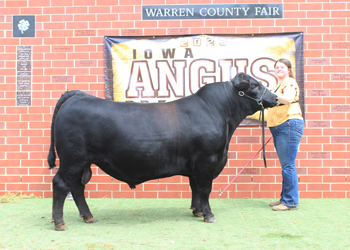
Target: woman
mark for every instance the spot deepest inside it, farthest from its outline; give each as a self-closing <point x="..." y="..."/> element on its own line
<point x="286" y="125"/>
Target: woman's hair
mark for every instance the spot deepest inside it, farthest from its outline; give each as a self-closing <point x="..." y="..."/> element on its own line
<point x="288" y="64"/>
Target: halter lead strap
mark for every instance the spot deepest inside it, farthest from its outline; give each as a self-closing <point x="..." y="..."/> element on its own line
<point x="263" y="134"/>
<point x="259" y="102"/>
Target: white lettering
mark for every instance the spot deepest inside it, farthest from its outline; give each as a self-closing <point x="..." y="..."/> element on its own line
<point x="237" y="10"/>
<point x="159" y="12"/>
<point x="262" y="11"/>
<point x="257" y="10"/>
<point x="140" y="78"/>
<point x="241" y="65"/>
<point x="151" y="12"/>
<point x="230" y="11"/>
<point x="225" y="72"/>
<point x="182" y="12"/>
<point x="172" y="74"/>
<point x="166" y="12"/>
<point x="218" y="12"/>
<point x="200" y="11"/>
<point x="212" y="11"/>
<point x="167" y="78"/>
<point x="245" y="10"/>
<point x="174" y="12"/>
<point x="223" y="11"/>
<point x="260" y="69"/>
<point x="195" y="74"/>
<point x="190" y="12"/>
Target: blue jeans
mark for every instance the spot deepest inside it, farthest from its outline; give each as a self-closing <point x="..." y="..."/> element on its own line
<point x="286" y="138"/>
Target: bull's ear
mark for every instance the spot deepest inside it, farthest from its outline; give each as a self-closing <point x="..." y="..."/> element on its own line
<point x="241" y="82"/>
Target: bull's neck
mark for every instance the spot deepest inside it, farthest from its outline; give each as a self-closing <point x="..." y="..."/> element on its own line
<point x="241" y="106"/>
<point x="225" y="103"/>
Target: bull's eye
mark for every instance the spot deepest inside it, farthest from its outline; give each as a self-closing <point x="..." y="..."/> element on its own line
<point x="254" y="86"/>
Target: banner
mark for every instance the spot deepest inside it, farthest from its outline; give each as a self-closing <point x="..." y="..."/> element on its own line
<point x="163" y="69"/>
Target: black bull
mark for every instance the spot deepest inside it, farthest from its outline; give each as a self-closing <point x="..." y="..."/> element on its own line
<point x="135" y="142"/>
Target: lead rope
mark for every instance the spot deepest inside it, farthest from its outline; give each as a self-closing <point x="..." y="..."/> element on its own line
<point x="259" y="102"/>
<point x="263" y="134"/>
<point x="263" y="146"/>
<point x="263" y="128"/>
<point x="221" y="192"/>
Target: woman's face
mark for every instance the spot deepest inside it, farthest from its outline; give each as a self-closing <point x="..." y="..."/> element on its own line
<point x="281" y="70"/>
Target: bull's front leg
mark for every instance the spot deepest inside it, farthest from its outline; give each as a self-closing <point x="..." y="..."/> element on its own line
<point x="195" y="203"/>
<point x="204" y="186"/>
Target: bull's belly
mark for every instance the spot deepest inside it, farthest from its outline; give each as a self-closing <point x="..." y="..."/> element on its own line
<point x="134" y="174"/>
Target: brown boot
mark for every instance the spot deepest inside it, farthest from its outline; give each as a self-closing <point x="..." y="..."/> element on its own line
<point x="282" y="207"/>
<point x="274" y="203"/>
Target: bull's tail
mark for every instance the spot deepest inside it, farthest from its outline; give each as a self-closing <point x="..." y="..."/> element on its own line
<point x="51" y="158"/>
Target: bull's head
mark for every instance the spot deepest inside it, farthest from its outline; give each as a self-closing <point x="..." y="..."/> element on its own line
<point x="249" y="87"/>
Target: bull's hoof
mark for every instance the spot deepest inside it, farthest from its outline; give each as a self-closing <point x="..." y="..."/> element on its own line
<point x="197" y="214"/>
<point x="210" y="220"/>
<point x="91" y="220"/>
<point x="61" y="227"/>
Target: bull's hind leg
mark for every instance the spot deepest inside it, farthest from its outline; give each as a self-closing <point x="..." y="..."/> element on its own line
<point x="60" y="191"/>
<point x="78" y="196"/>
<point x="195" y="203"/>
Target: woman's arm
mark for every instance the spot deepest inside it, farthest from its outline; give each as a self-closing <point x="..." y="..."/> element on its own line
<point x="288" y="95"/>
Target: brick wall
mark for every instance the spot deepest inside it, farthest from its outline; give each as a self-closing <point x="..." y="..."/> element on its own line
<point x="67" y="54"/>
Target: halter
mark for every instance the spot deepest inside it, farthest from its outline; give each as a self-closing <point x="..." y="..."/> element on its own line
<point x="259" y="102"/>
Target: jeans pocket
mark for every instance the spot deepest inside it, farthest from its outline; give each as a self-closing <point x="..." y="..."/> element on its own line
<point x="299" y="128"/>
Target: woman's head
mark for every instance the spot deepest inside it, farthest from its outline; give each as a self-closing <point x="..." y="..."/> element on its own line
<point x="283" y="67"/>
